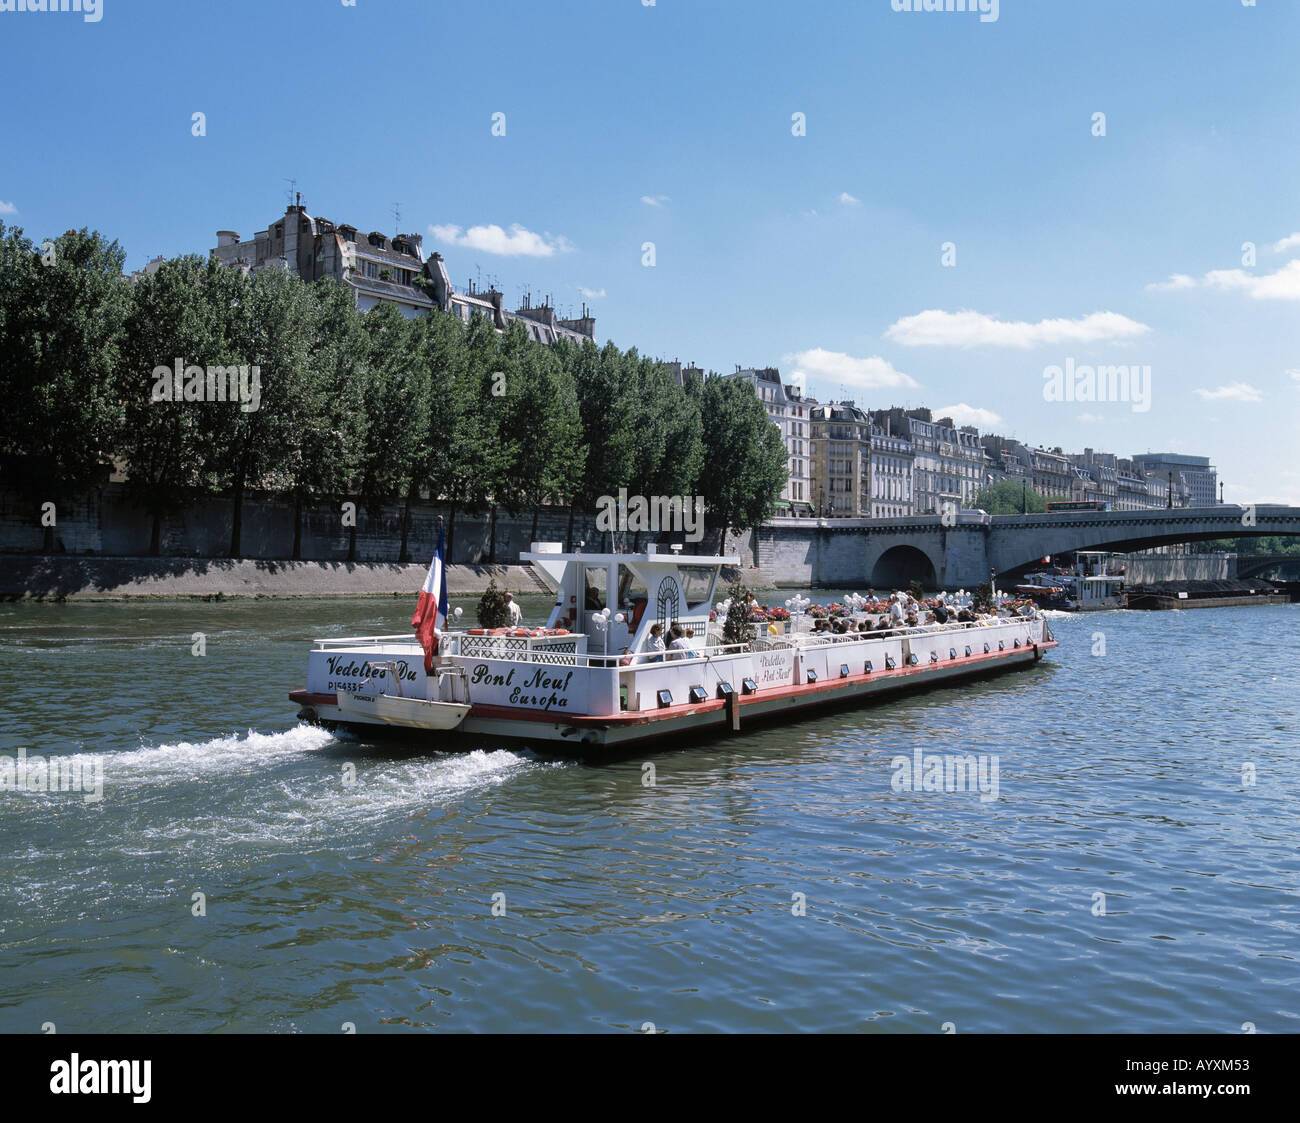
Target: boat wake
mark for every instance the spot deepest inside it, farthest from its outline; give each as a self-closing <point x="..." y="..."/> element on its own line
<point x="233" y="753"/>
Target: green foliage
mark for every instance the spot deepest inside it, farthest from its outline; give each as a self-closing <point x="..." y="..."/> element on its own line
<point x="1009" y="497"/>
<point x="397" y="406"/>
<point x="744" y="458"/>
<point x="370" y="407"/>
<point x="61" y="333"/>
<point x="1264" y="544"/>
<point x="737" y="628"/>
<point x="915" y="590"/>
<point x="169" y="446"/>
<point x="493" y="609"/>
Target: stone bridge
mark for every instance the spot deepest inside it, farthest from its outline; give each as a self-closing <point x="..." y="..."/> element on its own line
<point x="1258" y="565"/>
<point x="943" y="552"/>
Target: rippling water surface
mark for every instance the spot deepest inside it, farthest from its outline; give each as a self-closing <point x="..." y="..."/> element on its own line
<point x="500" y="891"/>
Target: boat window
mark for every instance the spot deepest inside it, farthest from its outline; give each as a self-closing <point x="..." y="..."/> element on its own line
<point x="595" y="593"/>
<point x="696" y="581"/>
<point x="630" y="588"/>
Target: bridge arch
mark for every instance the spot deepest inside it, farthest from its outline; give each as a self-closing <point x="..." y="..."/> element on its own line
<point x="1019" y="542"/>
<point x="900" y="565"/>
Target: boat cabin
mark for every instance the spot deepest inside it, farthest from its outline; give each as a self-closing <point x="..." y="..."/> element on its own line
<point x="613" y="599"/>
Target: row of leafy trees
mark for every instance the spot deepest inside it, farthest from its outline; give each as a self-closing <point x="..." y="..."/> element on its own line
<point x="1007" y="497"/>
<point x="371" y="408"/>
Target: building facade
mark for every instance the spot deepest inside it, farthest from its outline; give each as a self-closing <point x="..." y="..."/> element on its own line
<point x="892" y="460"/>
<point x="789" y="411"/>
<point x="841" y="461"/>
<point x="1195" y="479"/>
<point x="384" y="270"/>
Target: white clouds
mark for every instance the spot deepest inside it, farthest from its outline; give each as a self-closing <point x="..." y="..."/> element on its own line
<point x="7" y="208"/>
<point x="1282" y="285"/>
<point x="1287" y="243"/>
<point x="849" y="200"/>
<point x="936" y="328"/>
<point x="963" y="414"/>
<point x="1091" y="418"/>
<point x="1176" y="283"/>
<point x="518" y="242"/>
<point x="591" y="294"/>
<point x="1294" y="375"/>
<point x="839" y="369"/>
<point x="1234" y="391"/>
<point x="654" y="200"/>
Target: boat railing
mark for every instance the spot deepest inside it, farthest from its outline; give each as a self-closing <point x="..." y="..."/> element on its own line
<point x="363" y="641"/>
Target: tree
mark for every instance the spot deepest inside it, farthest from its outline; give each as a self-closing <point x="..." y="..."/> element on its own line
<point x="493" y="395"/>
<point x="737" y="628"/>
<point x="1009" y="497"/>
<point x="397" y="404"/>
<point x="744" y="457"/>
<point x="456" y="446"/>
<point x="325" y="456"/>
<point x="544" y="404"/>
<point x="178" y="315"/>
<point x="270" y="326"/>
<point x="493" y="609"/>
<point x="606" y="398"/>
<point x="62" y="313"/>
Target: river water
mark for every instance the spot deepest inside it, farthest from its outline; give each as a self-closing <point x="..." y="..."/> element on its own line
<point x="1137" y="871"/>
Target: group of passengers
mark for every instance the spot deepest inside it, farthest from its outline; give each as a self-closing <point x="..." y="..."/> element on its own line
<point x="680" y="645"/>
<point x="906" y="612"/>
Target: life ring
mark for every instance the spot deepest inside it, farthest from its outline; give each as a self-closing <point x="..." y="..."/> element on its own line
<point x="498" y="631"/>
<point x="559" y="631"/>
<point x="477" y="632"/>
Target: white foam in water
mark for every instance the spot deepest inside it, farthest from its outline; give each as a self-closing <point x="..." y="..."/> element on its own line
<point x="382" y="788"/>
<point x="222" y="754"/>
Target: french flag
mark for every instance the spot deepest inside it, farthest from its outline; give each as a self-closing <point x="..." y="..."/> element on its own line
<point x="431" y="613"/>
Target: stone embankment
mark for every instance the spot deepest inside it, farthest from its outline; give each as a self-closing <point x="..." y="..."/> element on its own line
<point x="83" y="578"/>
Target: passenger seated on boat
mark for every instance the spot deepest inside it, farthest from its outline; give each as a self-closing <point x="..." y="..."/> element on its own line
<point x="690" y="641"/>
<point x="965" y="616"/>
<point x="884" y="624"/>
<point x="677" y="645"/>
<point x="941" y="613"/>
<point x="655" y="645"/>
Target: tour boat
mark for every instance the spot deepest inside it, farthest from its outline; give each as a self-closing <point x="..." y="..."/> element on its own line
<point x="591" y="678"/>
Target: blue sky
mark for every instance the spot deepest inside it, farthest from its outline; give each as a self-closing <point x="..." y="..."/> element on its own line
<point x="627" y="123"/>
